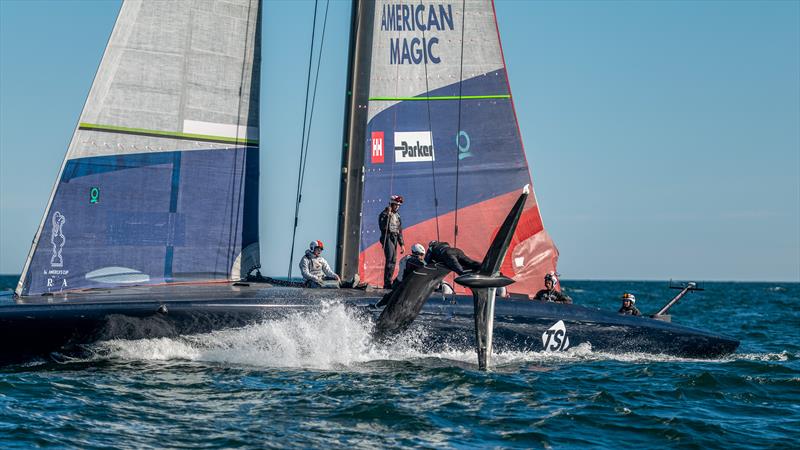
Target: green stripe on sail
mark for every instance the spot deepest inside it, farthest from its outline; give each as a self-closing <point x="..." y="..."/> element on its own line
<point x="167" y="134"/>
<point x="441" y="97"/>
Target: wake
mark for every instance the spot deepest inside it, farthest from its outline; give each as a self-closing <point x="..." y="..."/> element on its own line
<point x="336" y="338"/>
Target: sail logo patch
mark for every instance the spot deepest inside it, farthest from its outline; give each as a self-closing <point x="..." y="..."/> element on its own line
<point x="57" y="239"/>
<point x="413" y="146"/>
<point x="463" y="150"/>
<point x="377" y="147"/>
<point x="555" y="338"/>
<point x="57" y="275"/>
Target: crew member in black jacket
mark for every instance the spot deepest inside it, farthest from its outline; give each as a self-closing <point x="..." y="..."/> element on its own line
<point x="453" y="258"/>
<point x="549" y="293"/>
<point x="628" y="308"/>
<point x="391" y="234"/>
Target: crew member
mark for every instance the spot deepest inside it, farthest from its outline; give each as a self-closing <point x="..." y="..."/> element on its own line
<point x="549" y="293"/>
<point x="391" y="234"/>
<point x="628" y="308"/>
<point x="316" y="271"/>
<point x="453" y="258"/>
<point x="410" y="263"/>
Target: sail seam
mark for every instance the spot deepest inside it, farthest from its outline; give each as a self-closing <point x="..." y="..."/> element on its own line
<point x="441" y="97"/>
<point x="168" y="134"/>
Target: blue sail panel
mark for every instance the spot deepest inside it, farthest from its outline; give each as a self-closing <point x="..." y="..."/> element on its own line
<point x="145" y="219"/>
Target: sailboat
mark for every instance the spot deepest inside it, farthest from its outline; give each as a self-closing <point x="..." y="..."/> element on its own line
<point x="152" y="225"/>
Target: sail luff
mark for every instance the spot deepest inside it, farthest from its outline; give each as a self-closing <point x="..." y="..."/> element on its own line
<point x="37" y="236"/>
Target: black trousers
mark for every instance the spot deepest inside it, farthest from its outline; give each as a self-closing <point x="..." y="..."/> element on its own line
<point x="458" y="262"/>
<point x="390" y="252"/>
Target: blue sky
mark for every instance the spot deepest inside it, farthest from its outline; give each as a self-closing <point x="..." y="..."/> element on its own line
<point x="663" y="137"/>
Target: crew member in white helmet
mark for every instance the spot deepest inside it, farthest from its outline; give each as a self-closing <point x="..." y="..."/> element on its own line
<point x="411" y="262"/>
<point x="628" y="302"/>
<point x="550" y="293"/>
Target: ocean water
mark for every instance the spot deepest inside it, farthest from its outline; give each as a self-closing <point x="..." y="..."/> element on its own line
<point x="316" y="380"/>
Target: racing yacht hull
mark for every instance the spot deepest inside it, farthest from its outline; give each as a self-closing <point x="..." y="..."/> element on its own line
<point x="66" y="322"/>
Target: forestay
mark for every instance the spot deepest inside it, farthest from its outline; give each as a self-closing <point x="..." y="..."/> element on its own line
<point x="160" y="180"/>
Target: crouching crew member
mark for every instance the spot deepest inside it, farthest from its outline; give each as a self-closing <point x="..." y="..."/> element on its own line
<point x="453" y="258"/>
<point x="628" y="308"/>
<point x="391" y="235"/>
<point x="317" y="272"/>
<point x="549" y="293"/>
<point x="410" y="263"/>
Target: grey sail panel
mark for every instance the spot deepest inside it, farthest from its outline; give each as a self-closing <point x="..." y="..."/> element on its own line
<point x="160" y="180"/>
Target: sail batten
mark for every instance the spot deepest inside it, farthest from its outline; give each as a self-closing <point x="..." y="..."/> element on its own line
<point x="229" y="139"/>
<point x="160" y="180"/>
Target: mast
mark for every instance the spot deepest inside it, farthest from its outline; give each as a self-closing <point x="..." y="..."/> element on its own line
<point x="354" y="137"/>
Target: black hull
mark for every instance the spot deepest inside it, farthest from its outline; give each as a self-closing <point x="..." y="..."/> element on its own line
<point x="65" y="322"/>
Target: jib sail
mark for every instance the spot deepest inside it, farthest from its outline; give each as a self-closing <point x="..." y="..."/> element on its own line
<point x="160" y="180"/>
<point x="441" y="131"/>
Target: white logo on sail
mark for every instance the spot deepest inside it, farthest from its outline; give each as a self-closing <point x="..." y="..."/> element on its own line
<point x="57" y="239"/>
<point x="413" y="146"/>
<point x="555" y="338"/>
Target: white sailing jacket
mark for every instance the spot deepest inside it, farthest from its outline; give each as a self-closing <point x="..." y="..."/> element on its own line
<point x="315" y="267"/>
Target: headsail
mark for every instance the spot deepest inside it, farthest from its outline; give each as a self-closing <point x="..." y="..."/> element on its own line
<point x="442" y="132"/>
<point x="160" y="181"/>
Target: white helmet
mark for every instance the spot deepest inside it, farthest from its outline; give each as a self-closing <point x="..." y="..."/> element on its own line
<point x="418" y="249"/>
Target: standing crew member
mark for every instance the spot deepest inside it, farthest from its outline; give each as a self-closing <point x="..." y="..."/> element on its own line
<point x="453" y="258"/>
<point x="628" y="308"/>
<point x="549" y="293"/>
<point x="391" y="235"/>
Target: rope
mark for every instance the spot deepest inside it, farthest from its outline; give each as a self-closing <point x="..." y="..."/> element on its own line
<point x="430" y="135"/>
<point x="394" y="128"/>
<point x="303" y="140"/>
<point x="458" y="129"/>
<point x="313" y="99"/>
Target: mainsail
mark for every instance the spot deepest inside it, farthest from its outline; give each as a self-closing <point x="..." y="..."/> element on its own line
<point x="431" y="86"/>
<point x="160" y="180"/>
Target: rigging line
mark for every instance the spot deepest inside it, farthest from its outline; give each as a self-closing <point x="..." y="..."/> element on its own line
<point x="243" y="168"/>
<point x="303" y="138"/>
<point x="394" y="128"/>
<point x="313" y="99"/>
<point x="430" y="136"/>
<point x="458" y="129"/>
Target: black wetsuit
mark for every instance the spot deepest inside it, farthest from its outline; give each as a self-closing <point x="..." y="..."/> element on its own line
<point x="629" y="311"/>
<point x="547" y="295"/>
<point x="452" y="257"/>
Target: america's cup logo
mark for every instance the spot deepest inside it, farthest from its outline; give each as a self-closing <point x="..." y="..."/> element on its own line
<point x="57" y="239"/>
